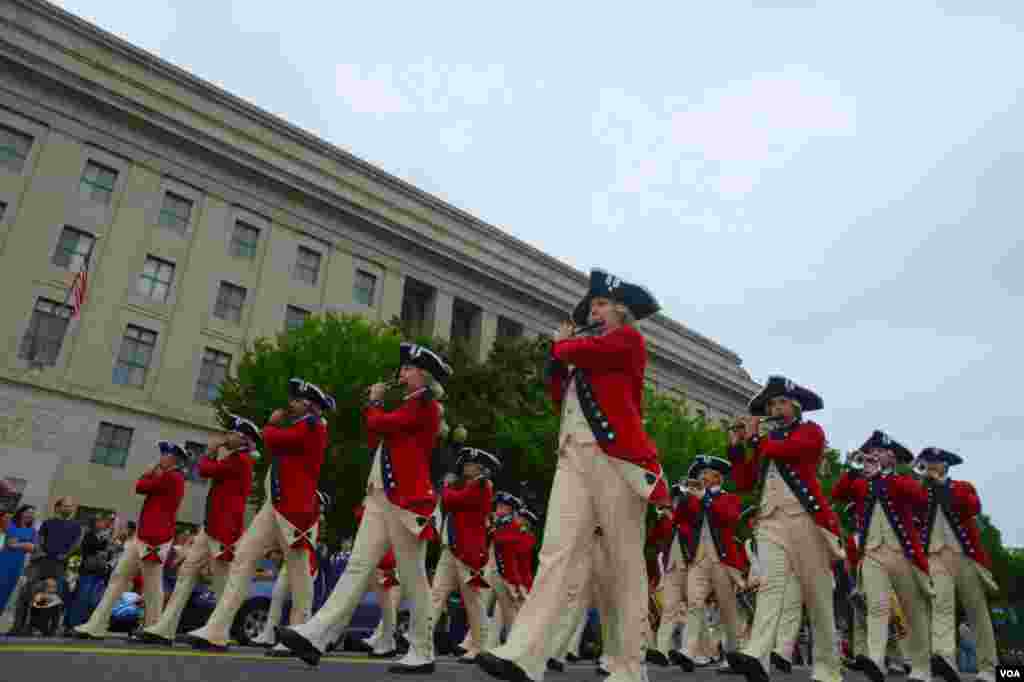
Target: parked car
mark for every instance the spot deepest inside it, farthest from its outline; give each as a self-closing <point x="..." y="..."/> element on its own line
<point x="252" y="616"/>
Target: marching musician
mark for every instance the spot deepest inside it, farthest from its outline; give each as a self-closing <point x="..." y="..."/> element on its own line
<point x="144" y="555"/>
<point x="528" y="521"/>
<point x="382" y="641"/>
<point x="296" y="437"/>
<point x="716" y="567"/>
<point x="504" y="575"/>
<point x="228" y="462"/>
<point x="400" y="502"/>
<point x="607" y="473"/>
<point x="890" y="552"/>
<point x="672" y="532"/>
<point x="798" y="532"/>
<point x="961" y="568"/>
<point x="466" y="501"/>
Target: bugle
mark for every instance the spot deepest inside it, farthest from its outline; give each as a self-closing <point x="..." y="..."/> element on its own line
<point x="855" y="460"/>
<point x="765" y="425"/>
<point x="388" y="385"/>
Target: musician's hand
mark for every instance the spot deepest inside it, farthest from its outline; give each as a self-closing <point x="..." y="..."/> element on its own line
<point x="277" y="416"/>
<point x="377" y="391"/>
<point x="565" y="330"/>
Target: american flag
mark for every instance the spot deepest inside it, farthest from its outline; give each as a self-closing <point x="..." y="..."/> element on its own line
<point x="78" y="290"/>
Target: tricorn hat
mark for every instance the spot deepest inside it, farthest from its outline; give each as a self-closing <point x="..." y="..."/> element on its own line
<point x="939" y="455"/>
<point x="779" y="386"/>
<point x="530" y="515"/>
<point x="639" y="300"/>
<point x="424" y="358"/>
<point x="243" y="426"/>
<point x="701" y="462"/>
<point x="879" y="439"/>
<point x="300" y="388"/>
<point x="482" y="457"/>
<point x="166" y="447"/>
<point x="502" y="497"/>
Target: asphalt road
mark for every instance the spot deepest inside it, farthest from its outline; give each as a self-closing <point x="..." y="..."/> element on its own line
<point x="66" y="660"/>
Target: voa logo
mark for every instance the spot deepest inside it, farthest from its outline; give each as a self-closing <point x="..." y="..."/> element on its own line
<point x="1009" y="674"/>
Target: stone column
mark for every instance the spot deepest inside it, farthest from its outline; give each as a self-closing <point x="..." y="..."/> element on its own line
<point x="440" y="323"/>
<point x="486" y="330"/>
<point x="391" y="291"/>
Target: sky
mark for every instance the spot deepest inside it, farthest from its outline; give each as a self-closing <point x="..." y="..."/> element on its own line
<point x="832" y="190"/>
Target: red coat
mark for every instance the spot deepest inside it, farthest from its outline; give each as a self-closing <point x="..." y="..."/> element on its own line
<point x="613" y="365"/>
<point x="467" y="508"/>
<point x="527" y="542"/>
<point x="389" y="563"/>
<point x="961" y="510"/>
<point x="297" y="452"/>
<point x="163" y="491"/>
<point x="797" y="455"/>
<point x="409" y="434"/>
<point x="225" y="503"/>
<point x="723" y="511"/>
<point x="508" y="539"/>
<point x="901" y="497"/>
<point x="670" y="529"/>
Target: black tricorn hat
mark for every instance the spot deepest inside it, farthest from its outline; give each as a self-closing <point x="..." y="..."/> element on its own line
<point x="879" y="439"/>
<point x="639" y="300"/>
<point x="479" y="456"/>
<point x="166" y="447"/>
<point x="779" y="386"/>
<point x="300" y="388"/>
<point x="502" y="497"/>
<point x="243" y="426"/>
<point x="940" y="455"/>
<point x="722" y="466"/>
<point x="424" y="358"/>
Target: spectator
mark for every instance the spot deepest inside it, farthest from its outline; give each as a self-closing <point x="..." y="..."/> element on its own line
<point x="20" y="542"/>
<point x="46" y="608"/>
<point x="967" y="655"/>
<point x="93" y="571"/>
<point x="59" y="536"/>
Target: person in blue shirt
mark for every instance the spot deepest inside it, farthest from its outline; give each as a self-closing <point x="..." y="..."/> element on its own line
<point x="19" y="543"/>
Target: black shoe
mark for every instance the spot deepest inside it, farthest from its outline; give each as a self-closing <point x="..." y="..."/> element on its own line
<point x="868" y="667"/>
<point x="459" y="651"/>
<point x="500" y="668"/>
<point x="143" y="637"/>
<point x="279" y="653"/>
<point x="781" y="664"/>
<point x="299" y="645"/>
<point x="657" y="658"/>
<point x="403" y="669"/>
<point x="386" y="654"/>
<point x="200" y="644"/>
<point x="602" y="672"/>
<point x="675" y="658"/>
<point x="685" y="662"/>
<point x="944" y="670"/>
<point x="748" y="666"/>
<point x="556" y="666"/>
<point x="572" y="658"/>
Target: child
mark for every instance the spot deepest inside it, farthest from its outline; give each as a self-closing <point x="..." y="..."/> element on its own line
<point x="46" y="609"/>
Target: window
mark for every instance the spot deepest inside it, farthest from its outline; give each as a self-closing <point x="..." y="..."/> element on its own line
<point x="212" y="374"/>
<point x="136" y="354"/>
<point x="230" y="299"/>
<point x="509" y="329"/>
<point x="112" y="445"/>
<point x="243" y="240"/>
<point x="294" y="317"/>
<point x="416" y="299"/>
<point x="307" y="265"/>
<point x="464" y="316"/>
<point x="45" y="334"/>
<point x="73" y="249"/>
<point x="364" y="288"/>
<point x="97" y="183"/>
<point x="14" y="147"/>
<point x="195" y="451"/>
<point x="175" y="213"/>
<point x="155" y="279"/>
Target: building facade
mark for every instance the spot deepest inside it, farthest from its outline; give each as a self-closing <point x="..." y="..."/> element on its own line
<point x="207" y="223"/>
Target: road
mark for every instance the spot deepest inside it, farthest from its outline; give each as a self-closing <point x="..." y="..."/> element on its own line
<point x="76" y="661"/>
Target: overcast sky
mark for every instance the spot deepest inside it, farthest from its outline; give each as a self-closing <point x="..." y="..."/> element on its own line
<point x="832" y="191"/>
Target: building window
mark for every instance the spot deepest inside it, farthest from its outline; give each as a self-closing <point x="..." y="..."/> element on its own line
<point x="176" y="212"/>
<point x="195" y="451"/>
<point x="14" y="147"/>
<point x="307" y="265"/>
<point x="155" y="279"/>
<point x="464" y="316"/>
<point x="136" y="354"/>
<point x="212" y="374"/>
<point x="112" y="445"/>
<point x="294" y="318"/>
<point x="230" y="299"/>
<point x="364" y="288"/>
<point x="45" y="334"/>
<point x="73" y="249"/>
<point x="416" y="300"/>
<point x="97" y="183"/>
<point x="509" y="329"/>
<point x="244" y="240"/>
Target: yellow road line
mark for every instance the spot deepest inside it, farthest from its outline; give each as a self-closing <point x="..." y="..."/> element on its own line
<point x="56" y="649"/>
